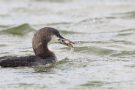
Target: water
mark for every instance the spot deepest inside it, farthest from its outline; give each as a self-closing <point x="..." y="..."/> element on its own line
<point x="104" y="33"/>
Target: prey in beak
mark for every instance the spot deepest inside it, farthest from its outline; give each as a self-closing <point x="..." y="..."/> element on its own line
<point x="61" y="40"/>
<point x="66" y="42"/>
<point x="57" y="38"/>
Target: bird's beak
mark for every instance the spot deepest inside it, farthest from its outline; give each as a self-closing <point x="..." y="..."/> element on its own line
<point x="66" y="42"/>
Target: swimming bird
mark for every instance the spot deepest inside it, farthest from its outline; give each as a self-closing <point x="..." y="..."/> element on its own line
<point x="42" y="55"/>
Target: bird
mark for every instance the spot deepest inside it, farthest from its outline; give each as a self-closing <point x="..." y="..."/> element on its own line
<point x="42" y="53"/>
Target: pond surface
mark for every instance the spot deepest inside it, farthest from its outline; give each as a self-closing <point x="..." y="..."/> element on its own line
<point x="104" y="54"/>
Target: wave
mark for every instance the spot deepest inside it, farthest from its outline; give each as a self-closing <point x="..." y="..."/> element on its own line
<point x="22" y="29"/>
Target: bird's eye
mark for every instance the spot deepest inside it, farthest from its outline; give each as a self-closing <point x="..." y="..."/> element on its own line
<point x="60" y="40"/>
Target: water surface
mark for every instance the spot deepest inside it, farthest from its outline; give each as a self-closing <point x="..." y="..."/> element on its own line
<point x="103" y="57"/>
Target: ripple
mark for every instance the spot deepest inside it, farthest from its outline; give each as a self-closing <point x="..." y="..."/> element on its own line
<point x="124" y="54"/>
<point x="94" y="50"/>
<point x="129" y="15"/>
<point x="95" y="84"/>
<point x="22" y="29"/>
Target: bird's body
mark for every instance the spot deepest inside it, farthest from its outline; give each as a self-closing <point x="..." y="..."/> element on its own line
<point x="22" y="61"/>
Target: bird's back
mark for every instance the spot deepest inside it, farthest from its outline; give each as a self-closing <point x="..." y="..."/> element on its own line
<point x="13" y="61"/>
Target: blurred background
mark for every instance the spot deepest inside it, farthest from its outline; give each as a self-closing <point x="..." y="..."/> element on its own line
<point x="104" y="33"/>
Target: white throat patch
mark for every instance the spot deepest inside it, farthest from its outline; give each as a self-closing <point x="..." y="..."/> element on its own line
<point x="54" y="39"/>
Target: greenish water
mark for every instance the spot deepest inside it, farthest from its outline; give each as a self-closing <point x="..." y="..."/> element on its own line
<point x="103" y="56"/>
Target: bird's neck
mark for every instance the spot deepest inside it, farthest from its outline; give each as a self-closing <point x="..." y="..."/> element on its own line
<point x="46" y="53"/>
